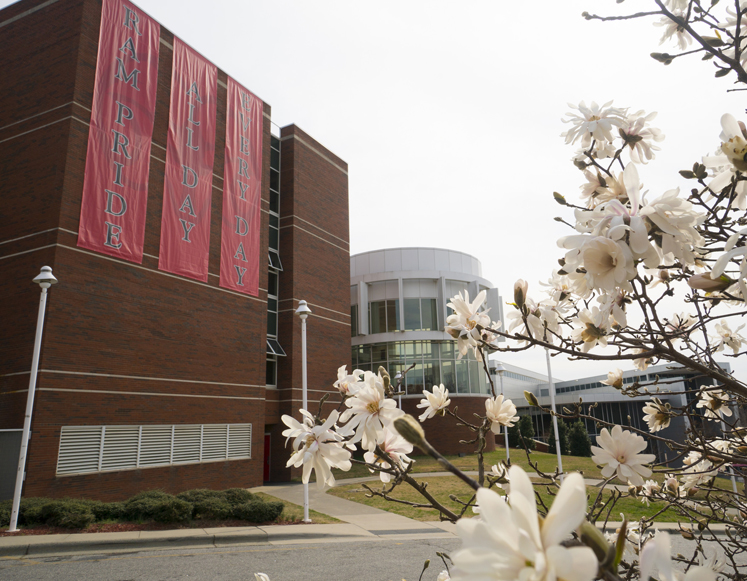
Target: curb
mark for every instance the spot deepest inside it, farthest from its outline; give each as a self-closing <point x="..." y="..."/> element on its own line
<point x="23" y="547"/>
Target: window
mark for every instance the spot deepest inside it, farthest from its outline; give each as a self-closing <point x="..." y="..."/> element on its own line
<point x="384" y="316"/>
<point x="420" y="315"/>
<point x="354" y="320"/>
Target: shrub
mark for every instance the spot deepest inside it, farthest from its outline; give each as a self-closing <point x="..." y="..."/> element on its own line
<point x="108" y="510"/>
<point x="5" y="508"/>
<point x="578" y="439"/>
<point x="236" y="496"/>
<point x="513" y="436"/>
<point x="30" y="511"/>
<point x="199" y="494"/>
<point x="258" y="511"/>
<point x="212" y="508"/>
<point x="145" y="505"/>
<point x="68" y="513"/>
<point x="562" y="436"/>
<point x="526" y="429"/>
<point x="172" y="510"/>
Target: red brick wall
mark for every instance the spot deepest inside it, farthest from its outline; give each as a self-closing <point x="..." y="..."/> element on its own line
<point x="186" y="352"/>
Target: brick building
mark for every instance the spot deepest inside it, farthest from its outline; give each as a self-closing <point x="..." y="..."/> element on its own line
<point x="148" y="379"/>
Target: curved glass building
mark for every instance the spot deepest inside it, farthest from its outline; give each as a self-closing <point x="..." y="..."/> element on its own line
<point x="398" y="300"/>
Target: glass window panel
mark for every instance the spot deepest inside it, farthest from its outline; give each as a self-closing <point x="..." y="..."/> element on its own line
<point x="427" y="348"/>
<point x="430" y="320"/>
<point x="415" y="380"/>
<point x="354" y="357"/>
<point x="474" y="377"/>
<point x="418" y="348"/>
<point x="270" y="370"/>
<point x="462" y="373"/>
<point x="274" y="239"/>
<point x="409" y="349"/>
<point x="274" y="158"/>
<point x="274" y="221"/>
<point x="377" y="312"/>
<point x="272" y="323"/>
<point x="378" y="352"/>
<point x="392" y="315"/>
<point x="275" y="142"/>
<point x="395" y="350"/>
<point x="412" y="315"/>
<point x="272" y="284"/>
<point x="364" y="354"/>
<point x="447" y="376"/>
<point x="274" y="202"/>
<point x="430" y="375"/>
<point x="274" y="180"/>
<point x="272" y="304"/>
<point x="447" y="350"/>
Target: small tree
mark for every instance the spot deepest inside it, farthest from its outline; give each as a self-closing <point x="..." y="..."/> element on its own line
<point x="513" y="436"/>
<point x="562" y="435"/>
<point x="579" y="442"/>
<point x="526" y="429"/>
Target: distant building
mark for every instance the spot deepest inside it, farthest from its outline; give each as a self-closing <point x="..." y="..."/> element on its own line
<point x="669" y="382"/>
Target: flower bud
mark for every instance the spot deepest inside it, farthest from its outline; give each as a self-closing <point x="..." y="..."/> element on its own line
<point x="672" y="484"/>
<point x="705" y="282"/>
<point x="531" y="399"/>
<point x="592" y="537"/>
<point x="520" y="292"/>
<point x="409" y="428"/>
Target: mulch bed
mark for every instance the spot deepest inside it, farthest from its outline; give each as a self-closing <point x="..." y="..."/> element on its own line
<point x="125" y="527"/>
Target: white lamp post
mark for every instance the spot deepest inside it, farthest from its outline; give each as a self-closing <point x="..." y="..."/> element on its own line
<point x="554" y="418"/>
<point x="303" y="311"/>
<point x="45" y="279"/>
<point x="500" y="369"/>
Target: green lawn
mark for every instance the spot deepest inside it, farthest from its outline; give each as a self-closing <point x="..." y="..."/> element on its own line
<point x="545" y="462"/>
<point x="443" y="487"/>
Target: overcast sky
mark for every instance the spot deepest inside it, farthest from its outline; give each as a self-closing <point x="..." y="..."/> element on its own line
<point x="448" y="113"/>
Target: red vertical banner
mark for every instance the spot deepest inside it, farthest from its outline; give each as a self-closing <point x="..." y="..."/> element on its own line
<point x="190" y="152"/>
<point x="242" y="191"/>
<point x="115" y="186"/>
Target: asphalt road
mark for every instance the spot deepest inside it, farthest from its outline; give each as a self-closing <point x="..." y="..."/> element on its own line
<point x="364" y="561"/>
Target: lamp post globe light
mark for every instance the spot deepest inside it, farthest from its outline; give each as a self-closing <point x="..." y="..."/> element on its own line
<point x="44" y="279"/>
<point x="303" y="311"/>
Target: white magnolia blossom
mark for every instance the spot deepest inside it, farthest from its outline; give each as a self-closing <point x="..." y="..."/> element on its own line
<point x="642" y="363"/>
<point x="261" y="577"/>
<point x="508" y="541"/>
<point x="465" y="323"/>
<point x="658" y="415"/>
<point x="639" y="136"/>
<point x="698" y="472"/>
<point x="656" y="555"/>
<point x="316" y="448"/>
<point x="591" y="328"/>
<point x="725" y="337"/>
<point x="674" y="30"/>
<point x="714" y="402"/>
<point x="435" y="402"/>
<point x="620" y="451"/>
<point x="348" y="384"/>
<point x="680" y="324"/>
<point x="614" y="378"/>
<point x="500" y="412"/>
<point x="369" y="412"/>
<point x="649" y="490"/>
<point x="539" y="316"/>
<point x="730" y="162"/>
<point x="443" y="576"/>
<point x="396" y="447"/>
<point x="592" y="122"/>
